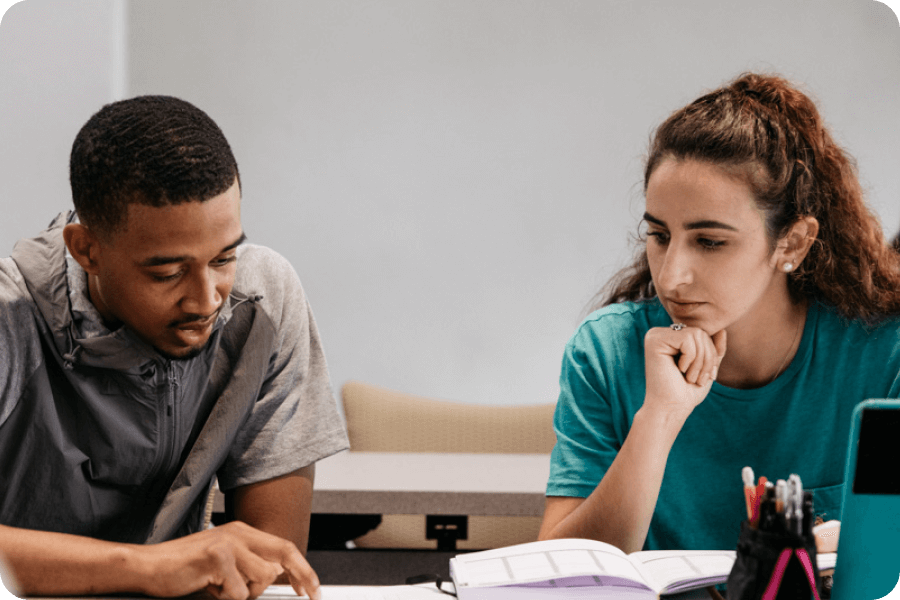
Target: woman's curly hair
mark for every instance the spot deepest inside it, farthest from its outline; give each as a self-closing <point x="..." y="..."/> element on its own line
<point x="764" y="128"/>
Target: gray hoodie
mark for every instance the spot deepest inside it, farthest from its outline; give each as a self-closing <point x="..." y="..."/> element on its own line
<point x="102" y="436"/>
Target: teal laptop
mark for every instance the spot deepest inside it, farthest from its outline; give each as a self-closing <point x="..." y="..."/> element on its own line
<point x="868" y="554"/>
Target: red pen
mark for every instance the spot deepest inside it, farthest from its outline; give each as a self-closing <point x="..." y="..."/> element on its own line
<point x="758" y="496"/>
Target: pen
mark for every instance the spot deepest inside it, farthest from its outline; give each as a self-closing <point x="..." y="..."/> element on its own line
<point x="758" y="496"/>
<point x="747" y="475"/>
<point x="808" y="511"/>
<point x="780" y="502"/>
<point x="798" y="507"/>
<point x="780" y="494"/>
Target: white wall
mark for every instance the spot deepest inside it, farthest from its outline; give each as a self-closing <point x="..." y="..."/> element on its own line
<point x="454" y="180"/>
<point x="59" y="62"/>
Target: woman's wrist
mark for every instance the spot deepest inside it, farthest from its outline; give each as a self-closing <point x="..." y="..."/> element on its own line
<point x="664" y="420"/>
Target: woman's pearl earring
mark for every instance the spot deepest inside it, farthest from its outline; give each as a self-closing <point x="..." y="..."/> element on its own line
<point x="788" y="267"/>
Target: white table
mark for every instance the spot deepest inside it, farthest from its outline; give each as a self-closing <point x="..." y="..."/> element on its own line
<point x="430" y="483"/>
<point x="447" y="488"/>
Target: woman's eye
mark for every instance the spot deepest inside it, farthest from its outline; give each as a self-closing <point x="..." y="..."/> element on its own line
<point x="661" y="237"/>
<point x="709" y="244"/>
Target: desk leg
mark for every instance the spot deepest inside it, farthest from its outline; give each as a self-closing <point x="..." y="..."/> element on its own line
<point x="446" y="529"/>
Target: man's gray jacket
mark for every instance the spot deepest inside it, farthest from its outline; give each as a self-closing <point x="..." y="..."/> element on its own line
<point x="102" y="436"/>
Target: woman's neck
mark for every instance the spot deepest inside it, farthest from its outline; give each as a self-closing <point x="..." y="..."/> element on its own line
<point x="759" y="350"/>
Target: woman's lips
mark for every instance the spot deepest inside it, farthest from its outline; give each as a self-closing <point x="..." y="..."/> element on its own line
<point x="683" y="306"/>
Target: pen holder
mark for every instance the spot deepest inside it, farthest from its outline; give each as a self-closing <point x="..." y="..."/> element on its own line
<point x="774" y="566"/>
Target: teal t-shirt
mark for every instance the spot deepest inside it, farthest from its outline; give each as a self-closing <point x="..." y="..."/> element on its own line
<point x="798" y="423"/>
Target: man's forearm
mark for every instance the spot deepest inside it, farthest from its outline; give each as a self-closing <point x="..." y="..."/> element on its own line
<point x="232" y="561"/>
<point x="280" y="506"/>
<point x="46" y="563"/>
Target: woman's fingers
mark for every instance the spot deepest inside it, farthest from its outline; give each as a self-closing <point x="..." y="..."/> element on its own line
<point x="699" y="354"/>
<point x="696" y="370"/>
<point x="679" y="367"/>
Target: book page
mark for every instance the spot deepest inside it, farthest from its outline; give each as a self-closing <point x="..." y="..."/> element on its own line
<point x="342" y="592"/>
<point x="671" y="571"/>
<point x="554" y="563"/>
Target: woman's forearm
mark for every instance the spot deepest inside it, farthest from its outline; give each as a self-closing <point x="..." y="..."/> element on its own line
<point x="619" y="510"/>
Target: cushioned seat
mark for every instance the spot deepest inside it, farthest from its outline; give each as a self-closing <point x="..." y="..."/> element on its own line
<point x="383" y="420"/>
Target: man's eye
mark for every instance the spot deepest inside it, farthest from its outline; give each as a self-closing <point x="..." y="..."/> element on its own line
<point x="164" y="278"/>
<point x="221" y="262"/>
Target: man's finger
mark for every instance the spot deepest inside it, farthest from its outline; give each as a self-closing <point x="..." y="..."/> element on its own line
<point x="303" y="579"/>
<point x="230" y="583"/>
<point x="275" y="549"/>
<point x="256" y="569"/>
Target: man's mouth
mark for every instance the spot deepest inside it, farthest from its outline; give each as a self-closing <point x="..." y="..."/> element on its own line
<point x="195" y="324"/>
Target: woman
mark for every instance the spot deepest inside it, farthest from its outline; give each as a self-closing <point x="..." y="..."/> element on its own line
<point x="763" y="306"/>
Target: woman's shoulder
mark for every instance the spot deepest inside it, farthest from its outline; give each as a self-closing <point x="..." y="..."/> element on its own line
<point x="831" y="325"/>
<point x="622" y="320"/>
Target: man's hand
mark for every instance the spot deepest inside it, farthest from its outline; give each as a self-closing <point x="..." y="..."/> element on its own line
<point x="233" y="561"/>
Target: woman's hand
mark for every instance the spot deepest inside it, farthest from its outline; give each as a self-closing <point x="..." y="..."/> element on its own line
<point x="827" y="534"/>
<point x="680" y="366"/>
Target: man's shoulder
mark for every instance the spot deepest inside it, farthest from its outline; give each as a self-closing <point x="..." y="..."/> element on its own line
<point x="269" y="278"/>
<point x="253" y="258"/>
<point x="831" y="325"/>
<point x="19" y="336"/>
<point x="14" y="294"/>
<point x="261" y="270"/>
<point x="12" y="284"/>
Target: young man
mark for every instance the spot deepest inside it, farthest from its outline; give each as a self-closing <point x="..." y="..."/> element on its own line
<point x="144" y="350"/>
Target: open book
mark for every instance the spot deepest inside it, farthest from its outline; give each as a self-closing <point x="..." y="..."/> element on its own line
<point x="577" y="568"/>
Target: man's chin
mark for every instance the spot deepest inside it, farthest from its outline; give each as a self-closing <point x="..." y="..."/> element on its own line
<point x="188" y="353"/>
<point x="182" y="353"/>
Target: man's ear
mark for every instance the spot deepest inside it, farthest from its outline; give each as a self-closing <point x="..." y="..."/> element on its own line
<point x="83" y="245"/>
<point x="795" y="245"/>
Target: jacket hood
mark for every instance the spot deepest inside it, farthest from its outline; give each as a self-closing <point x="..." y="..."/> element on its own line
<point x="79" y="336"/>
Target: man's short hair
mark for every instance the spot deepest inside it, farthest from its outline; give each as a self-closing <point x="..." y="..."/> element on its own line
<point x="151" y="150"/>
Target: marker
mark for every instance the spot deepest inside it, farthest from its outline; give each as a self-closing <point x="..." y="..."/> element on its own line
<point x="780" y="495"/>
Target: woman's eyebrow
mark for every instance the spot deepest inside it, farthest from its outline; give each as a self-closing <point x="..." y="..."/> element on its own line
<point x="710" y="224"/>
<point x="704" y="224"/>
<point x="654" y="220"/>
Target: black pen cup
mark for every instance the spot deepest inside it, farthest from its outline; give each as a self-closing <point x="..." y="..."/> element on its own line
<point x="774" y="565"/>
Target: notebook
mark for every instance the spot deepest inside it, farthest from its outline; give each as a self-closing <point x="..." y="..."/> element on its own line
<point x="868" y="556"/>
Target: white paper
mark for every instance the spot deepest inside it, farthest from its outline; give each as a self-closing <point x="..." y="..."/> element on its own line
<point x="360" y="592"/>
